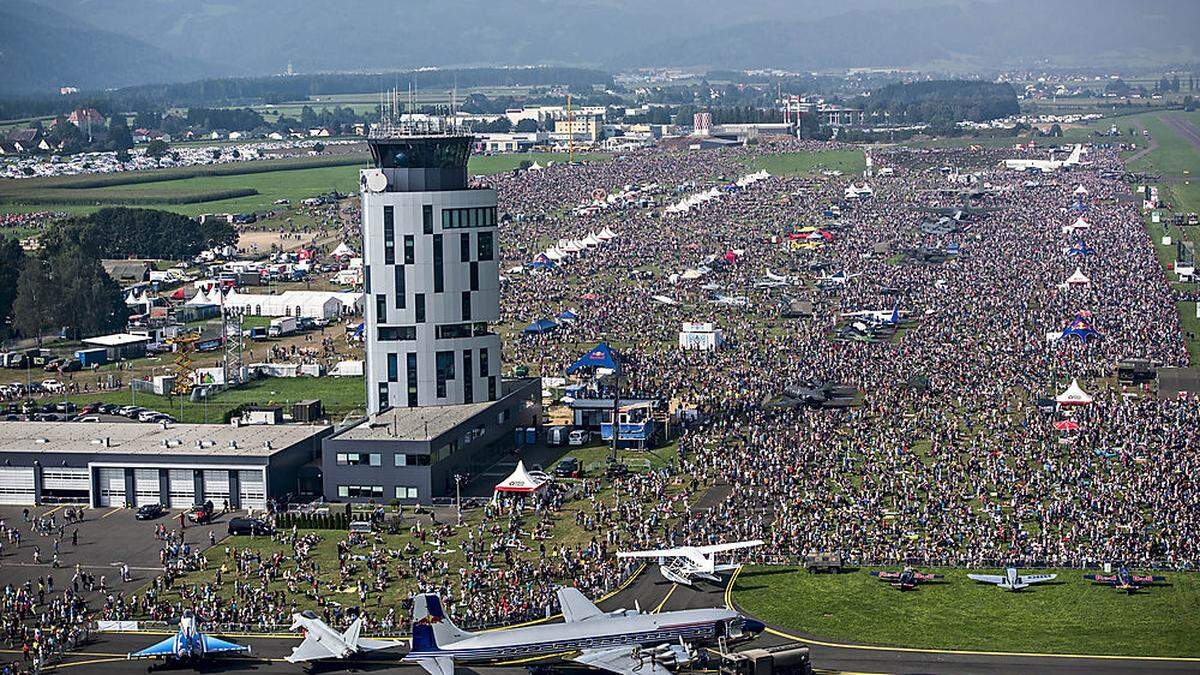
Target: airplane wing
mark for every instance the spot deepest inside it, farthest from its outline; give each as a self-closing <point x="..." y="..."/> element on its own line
<point x="214" y="645"/>
<point x="1100" y="579"/>
<point x="1035" y="578"/>
<point x="369" y="645"/>
<point x="164" y="648"/>
<point x="659" y="553"/>
<point x="620" y="660"/>
<point x="310" y="650"/>
<point x="576" y="607"/>
<point x="442" y="665"/>
<point x="987" y="578"/>
<point x="719" y="548"/>
<point x="1147" y="579"/>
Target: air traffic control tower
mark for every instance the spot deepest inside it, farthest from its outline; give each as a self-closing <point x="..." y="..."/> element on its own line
<point x="431" y="268"/>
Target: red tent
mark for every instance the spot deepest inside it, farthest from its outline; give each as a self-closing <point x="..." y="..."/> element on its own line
<point x="519" y="482"/>
<point x="1066" y="425"/>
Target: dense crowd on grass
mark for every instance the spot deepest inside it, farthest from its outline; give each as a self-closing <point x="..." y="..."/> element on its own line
<point x="948" y="460"/>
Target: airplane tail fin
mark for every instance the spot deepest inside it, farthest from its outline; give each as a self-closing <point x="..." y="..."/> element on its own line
<point x="431" y="627"/>
<point x="350" y="637"/>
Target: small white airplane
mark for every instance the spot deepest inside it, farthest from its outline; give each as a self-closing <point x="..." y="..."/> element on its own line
<point x="838" y="278"/>
<point x="887" y="317"/>
<point x="1011" y="580"/>
<point x="731" y="300"/>
<point x="686" y="563"/>
<point x="323" y="642"/>
<point x="1046" y="165"/>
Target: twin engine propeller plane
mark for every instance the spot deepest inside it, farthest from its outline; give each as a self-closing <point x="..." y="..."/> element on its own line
<point x="323" y="642"/>
<point x="906" y="580"/>
<point x="189" y="644"/>
<point x="1124" y="580"/>
<point x="1012" y="581"/>
<point x="685" y="564"/>
<point x="624" y="642"/>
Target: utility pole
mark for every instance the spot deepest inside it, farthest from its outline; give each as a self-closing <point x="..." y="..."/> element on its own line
<point x="570" y="132"/>
<point x="458" y="495"/>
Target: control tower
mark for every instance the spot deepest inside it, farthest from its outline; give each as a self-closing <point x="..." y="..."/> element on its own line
<point x="431" y="268"/>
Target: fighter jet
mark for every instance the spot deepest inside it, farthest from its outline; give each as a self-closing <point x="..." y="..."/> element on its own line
<point x="906" y="580"/>
<point x="189" y="644"/>
<point x="323" y="642"/>
<point x="684" y="564"/>
<point x="1012" y="581"/>
<point x="940" y="227"/>
<point x="1124" y="580"/>
<point x="819" y="395"/>
<point x="624" y="642"/>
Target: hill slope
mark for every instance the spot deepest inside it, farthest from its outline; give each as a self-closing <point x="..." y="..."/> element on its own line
<point x="42" y="49"/>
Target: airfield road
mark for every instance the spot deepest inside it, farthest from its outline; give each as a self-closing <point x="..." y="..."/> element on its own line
<point x="653" y="594"/>
<point x="1184" y="128"/>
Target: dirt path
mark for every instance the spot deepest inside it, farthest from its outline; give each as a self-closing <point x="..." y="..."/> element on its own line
<point x="1144" y="151"/>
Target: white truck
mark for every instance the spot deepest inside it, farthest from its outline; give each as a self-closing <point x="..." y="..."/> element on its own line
<point x="281" y="326"/>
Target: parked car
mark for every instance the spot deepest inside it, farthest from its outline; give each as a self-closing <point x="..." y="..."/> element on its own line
<point x="147" y="415"/>
<point x="64" y="407"/>
<point x="361" y="526"/>
<point x="568" y="467"/>
<point x="250" y="526"/>
<point x="201" y="514"/>
<point x="87" y="418"/>
<point x="150" y="511"/>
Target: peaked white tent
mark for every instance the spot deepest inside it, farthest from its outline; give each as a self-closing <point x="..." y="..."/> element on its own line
<point x="1078" y="279"/>
<point x="518" y="482"/>
<point x="607" y="234"/>
<point x="343" y="251"/>
<point x="1081" y="190"/>
<point x="1080" y="224"/>
<point x="1073" y="395"/>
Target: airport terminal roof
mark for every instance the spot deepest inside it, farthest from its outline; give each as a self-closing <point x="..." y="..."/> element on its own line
<point x="153" y="439"/>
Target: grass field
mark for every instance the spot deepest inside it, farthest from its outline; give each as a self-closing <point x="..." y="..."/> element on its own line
<point x="225" y="188"/>
<point x="338" y="395"/>
<point x="1177" y="160"/>
<point x="1068" y="615"/>
<point x="791" y="163"/>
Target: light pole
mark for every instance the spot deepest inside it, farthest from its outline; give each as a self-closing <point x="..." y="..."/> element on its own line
<point x="458" y="495"/>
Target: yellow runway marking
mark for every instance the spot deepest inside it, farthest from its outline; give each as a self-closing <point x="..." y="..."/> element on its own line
<point x="963" y="652"/>
<point x="114" y="510"/>
<point x="89" y="662"/>
<point x="665" y="598"/>
<point x="60" y="506"/>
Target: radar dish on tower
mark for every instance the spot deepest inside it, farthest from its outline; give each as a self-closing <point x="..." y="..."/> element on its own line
<point x="375" y="180"/>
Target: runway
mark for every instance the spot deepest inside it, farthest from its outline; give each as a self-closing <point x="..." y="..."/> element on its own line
<point x="653" y="594"/>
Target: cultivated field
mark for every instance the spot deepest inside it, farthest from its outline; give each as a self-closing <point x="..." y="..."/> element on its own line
<point x="226" y="188"/>
<point x="1067" y="615"/>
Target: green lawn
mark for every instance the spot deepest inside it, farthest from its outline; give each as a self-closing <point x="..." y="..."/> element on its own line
<point x="788" y="163"/>
<point x="338" y="395"/>
<point x="1065" y="616"/>
<point x="226" y="188"/>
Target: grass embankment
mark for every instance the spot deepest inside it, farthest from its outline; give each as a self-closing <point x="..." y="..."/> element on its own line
<point x="339" y="396"/>
<point x="850" y="162"/>
<point x="1068" y="615"/>
<point x="224" y="188"/>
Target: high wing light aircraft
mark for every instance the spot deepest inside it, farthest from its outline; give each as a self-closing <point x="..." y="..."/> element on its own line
<point x="1046" y="165"/>
<point x="1124" y="580"/>
<point x="323" y="642"/>
<point x="687" y="563"/>
<point x="1011" y="580"/>
<point x="886" y="317"/>
<point x="188" y="644"/>
<point x="624" y="642"/>
<point x="838" y="278"/>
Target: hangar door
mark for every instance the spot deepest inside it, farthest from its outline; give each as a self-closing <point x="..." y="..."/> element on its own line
<point x="216" y="487"/>
<point x="112" y="486"/>
<point x="16" y="485"/>
<point x="183" y="488"/>
<point x="252" y="492"/>
<point x="65" y="484"/>
<point x="145" y="487"/>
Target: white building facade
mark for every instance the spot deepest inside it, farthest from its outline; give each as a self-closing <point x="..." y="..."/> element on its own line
<point x="431" y="276"/>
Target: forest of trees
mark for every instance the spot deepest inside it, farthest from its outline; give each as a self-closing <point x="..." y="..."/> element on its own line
<point x="119" y="232"/>
<point x="941" y="103"/>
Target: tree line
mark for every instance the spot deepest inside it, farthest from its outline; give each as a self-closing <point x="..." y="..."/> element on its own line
<point x="63" y="286"/>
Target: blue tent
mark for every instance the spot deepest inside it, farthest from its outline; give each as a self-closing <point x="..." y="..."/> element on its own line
<point x="540" y="326"/>
<point x="1081" y="327"/>
<point x="600" y="356"/>
<point x="1081" y="248"/>
<point x="567" y="315"/>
